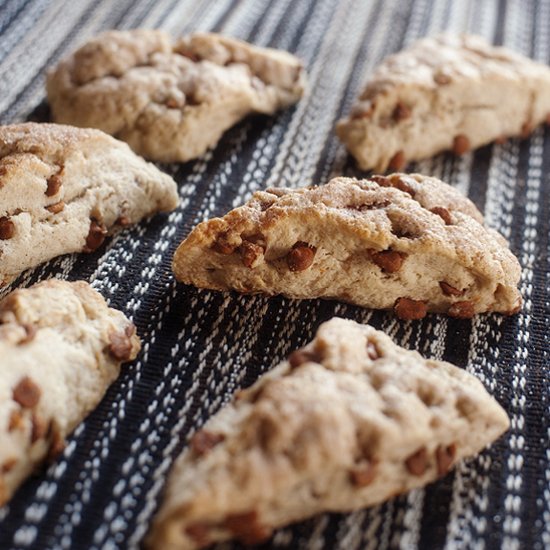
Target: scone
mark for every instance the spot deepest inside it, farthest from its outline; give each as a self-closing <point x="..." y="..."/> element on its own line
<point x="61" y="347"/>
<point x="407" y="242"/>
<point x="347" y="422"/>
<point x="63" y="189"/>
<point x="170" y="100"/>
<point x="445" y="92"/>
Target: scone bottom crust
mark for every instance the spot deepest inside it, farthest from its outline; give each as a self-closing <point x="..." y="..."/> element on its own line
<point x="403" y="242"/>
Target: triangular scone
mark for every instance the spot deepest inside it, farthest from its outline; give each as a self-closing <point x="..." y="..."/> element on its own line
<point x="171" y="100"/>
<point x="63" y="189"/>
<point x="61" y="347"/>
<point x="404" y="241"/>
<point x="347" y="422"/>
<point x="445" y="92"/>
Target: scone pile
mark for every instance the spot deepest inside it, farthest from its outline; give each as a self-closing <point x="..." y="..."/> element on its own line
<point x="351" y="419"/>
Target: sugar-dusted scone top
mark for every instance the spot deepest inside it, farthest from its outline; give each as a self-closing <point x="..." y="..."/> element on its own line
<point x="404" y="241"/>
<point x="349" y="421"/>
<point x="62" y="189"/>
<point x="61" y="347"/>
<point x="170" y="99"/>
<point x="445" y="92"/>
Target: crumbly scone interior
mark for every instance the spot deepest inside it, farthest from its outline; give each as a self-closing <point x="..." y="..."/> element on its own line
<point x="370" y="242"/>
<point x="64" y="189"/>
<point x="60" y="348"/>
<point x="349" y="421"/>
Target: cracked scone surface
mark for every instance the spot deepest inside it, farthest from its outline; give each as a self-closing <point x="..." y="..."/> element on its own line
<point x="408" y="242"/>
<point x="170" y="99"/>
<point x="45" y="395"/>
<point x="63" y="189"/>
<point x="347" y="422"/>
<point x="444" y="93"/>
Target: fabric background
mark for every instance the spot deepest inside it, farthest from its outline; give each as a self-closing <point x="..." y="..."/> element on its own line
<point x="199" y="347"/>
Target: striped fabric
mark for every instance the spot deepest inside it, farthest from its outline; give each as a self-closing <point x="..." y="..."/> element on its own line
<point x="199" y="347"/>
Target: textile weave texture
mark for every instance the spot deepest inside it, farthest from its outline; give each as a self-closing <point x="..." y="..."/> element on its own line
<point x="200" y="347"/>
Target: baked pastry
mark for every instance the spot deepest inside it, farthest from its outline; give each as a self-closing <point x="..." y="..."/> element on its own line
<point x="63" y="189"/>
<point x="347" y="422"/>
<point x="45" y="395"/>
<point x="170" y="100"/>
<point x="407" y="242"/>
<point x="445" y="92"/>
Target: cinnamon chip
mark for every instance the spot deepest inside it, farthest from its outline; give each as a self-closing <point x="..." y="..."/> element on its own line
<point x="222" y="245"/>
<point x="200" y="533"/>
<point x="444" y="458"/>
<point x="461" y="145"/>
<point x="120" y="346"/>
<point x="398" y="161"/>
<point x="56" y="208"/>
<point x="417" y="462"/>
<point x="7" y="228"/>
<point x="389" y="261"/>
<point x="203" y="441"/>
<point x="301" y="256"/>
<point x="96" y="236"/>
<point x="409" y="309"/>
<point x="54" y="185"/>
<point x="443" y="213"/>
<point x="27" y="393"/>
<point x="251" y="253"/>
<point x="363" y="474"/>
<point x="462" y="310"/>
<point x="449" y="290"/>
<point x="247" y="528"/>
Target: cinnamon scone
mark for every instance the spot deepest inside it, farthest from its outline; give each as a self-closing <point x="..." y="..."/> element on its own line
<point x="349" y="421"/>
<point x="445" y="92"/>
<point x="408" y="242"/>
<point x="63" y="189"/>
<point x="171" y="99"/>
<point x="61" y="347"/>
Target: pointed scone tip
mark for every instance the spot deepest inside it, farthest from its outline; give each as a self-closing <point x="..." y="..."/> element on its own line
<point x="349" y="421"/>
<point x="61" y="347"/>
<point x="64" y="189"/>
<point x="404" y="242"/>
<point x="171" y="99"/>
<point x="446" y="92"/>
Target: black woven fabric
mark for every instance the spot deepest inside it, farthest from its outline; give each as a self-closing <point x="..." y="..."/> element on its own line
<point x="199" y="347"/>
